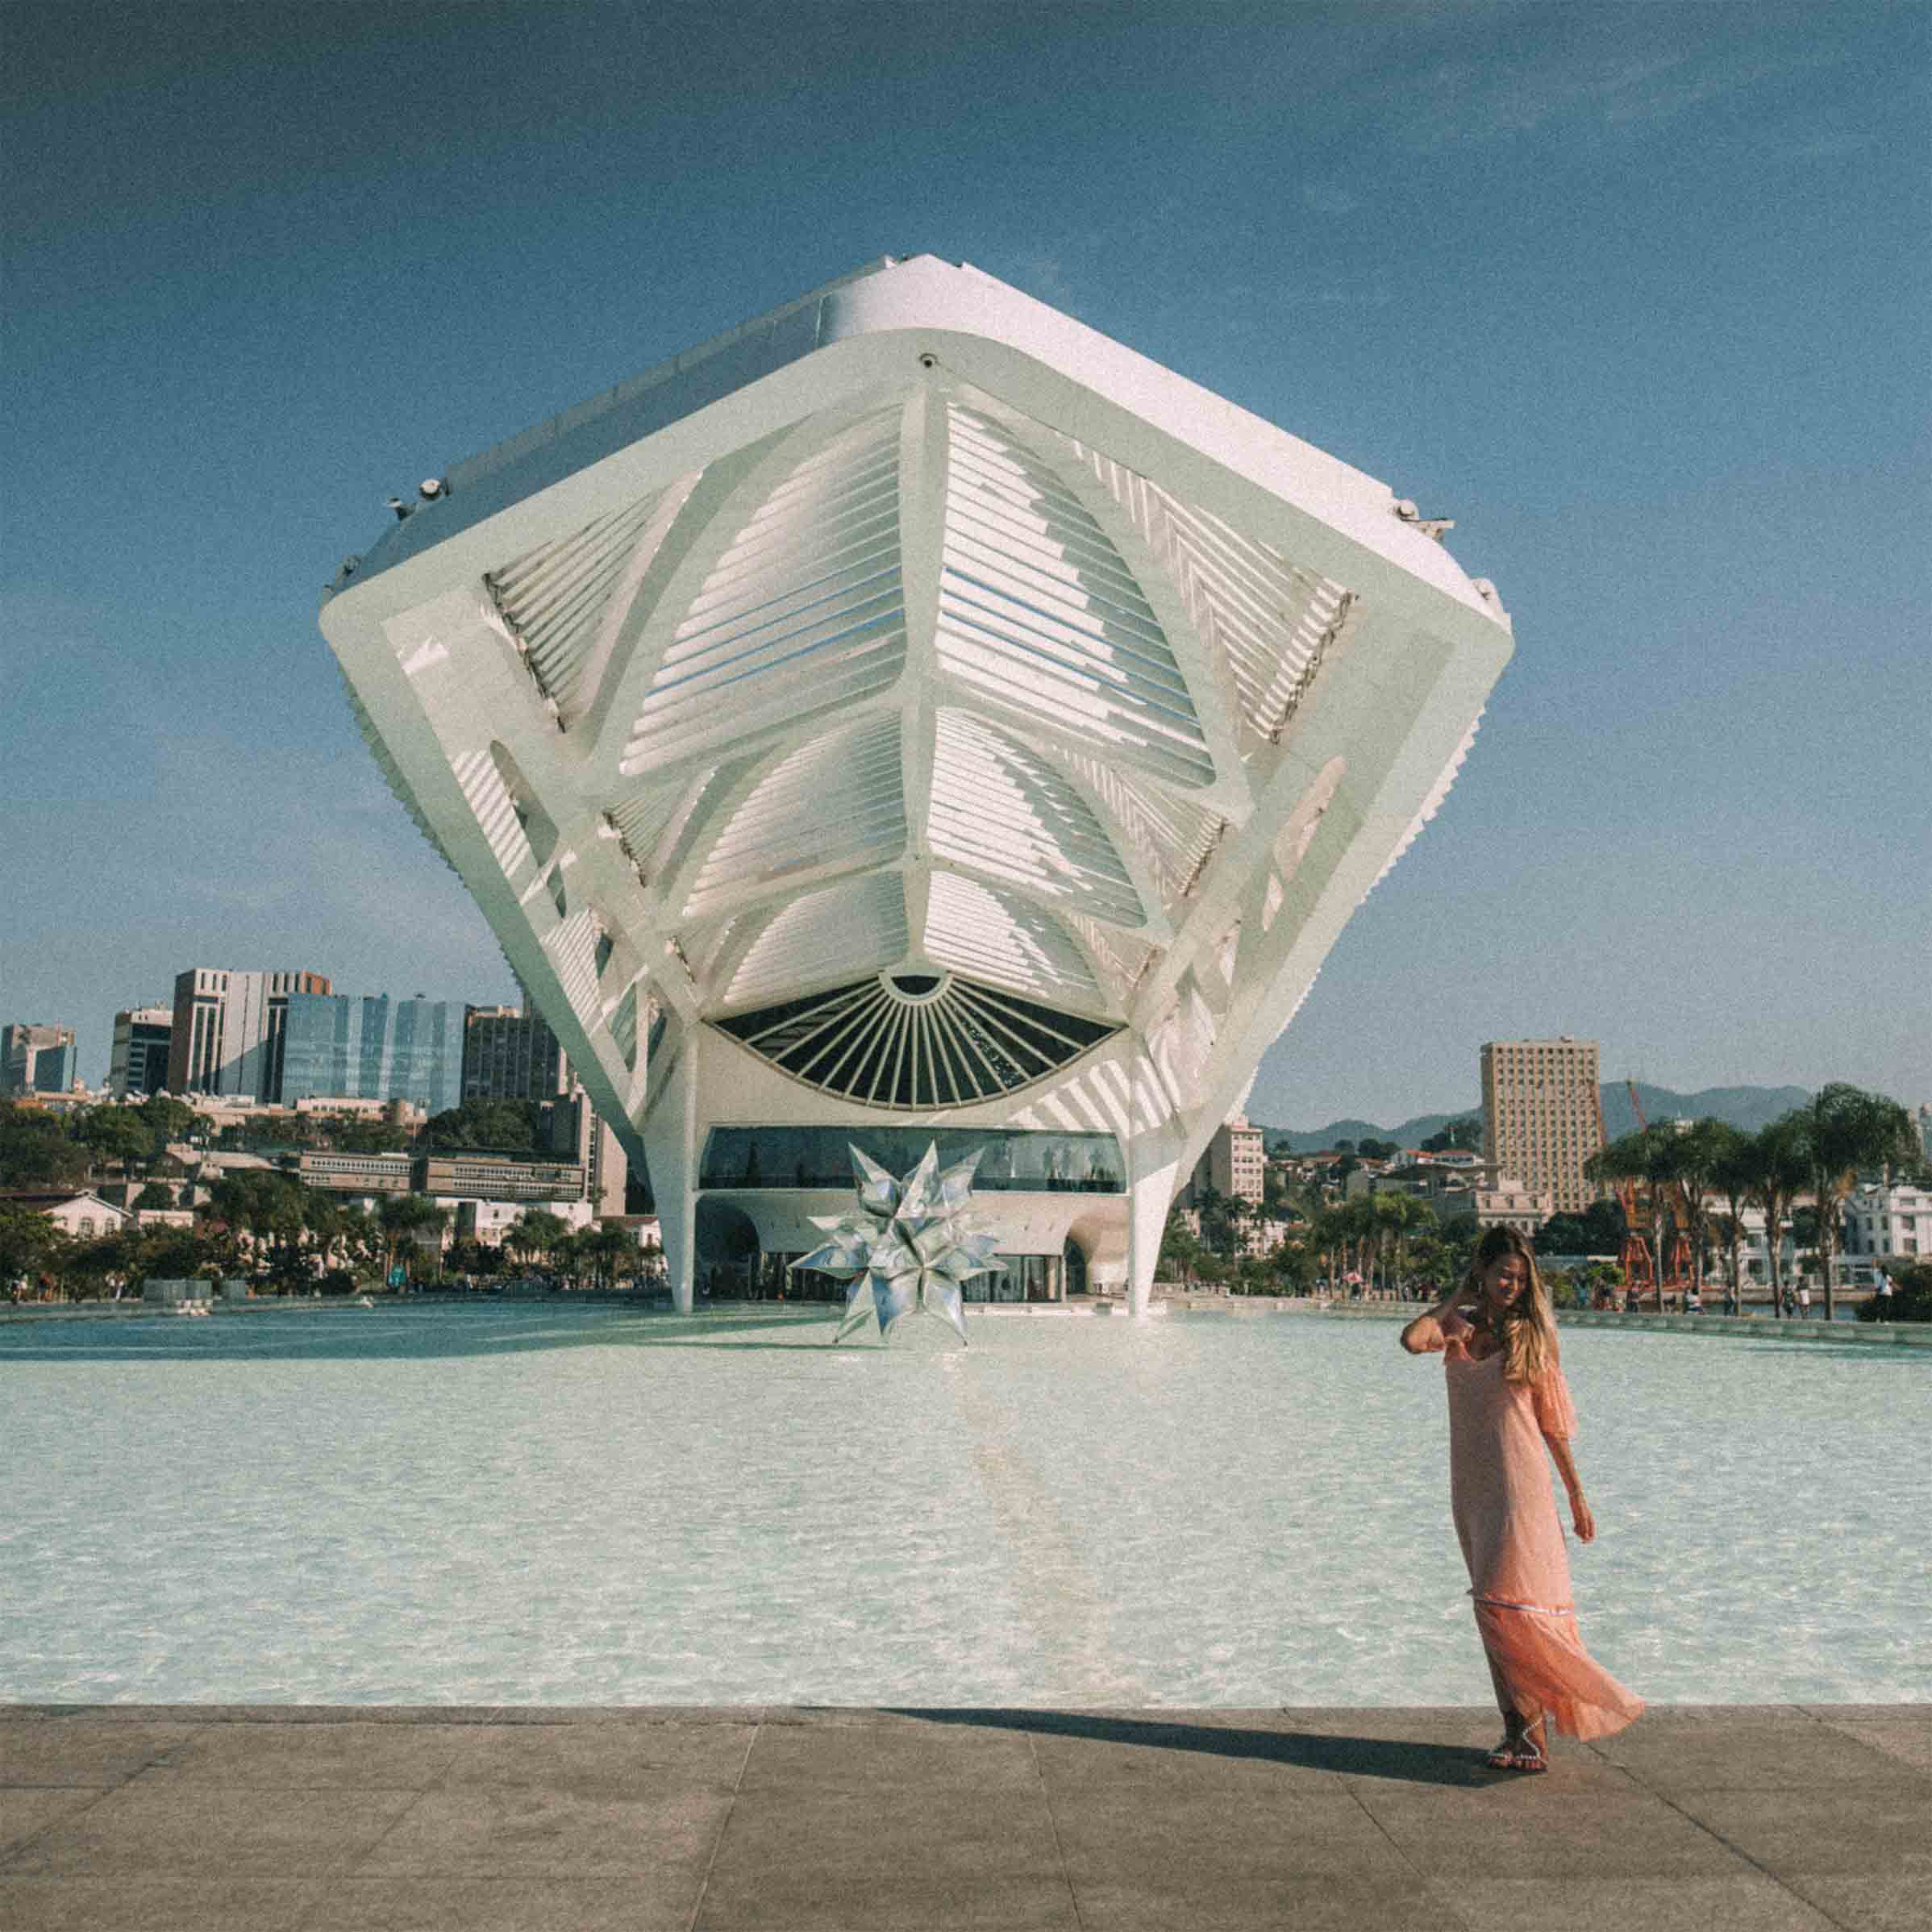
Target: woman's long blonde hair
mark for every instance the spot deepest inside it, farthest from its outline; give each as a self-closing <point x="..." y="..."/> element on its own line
<point x="1527" y="1328"/>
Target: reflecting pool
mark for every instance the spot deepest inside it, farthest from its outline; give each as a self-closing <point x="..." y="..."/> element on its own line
<point x="521" y="1505"/>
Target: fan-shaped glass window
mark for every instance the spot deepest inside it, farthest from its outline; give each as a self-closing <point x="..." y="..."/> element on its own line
<point x="916" y="1040"/>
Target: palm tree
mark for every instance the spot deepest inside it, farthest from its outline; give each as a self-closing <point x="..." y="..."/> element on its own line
<point x="1730" y="1176"/>
<point x="1636" y="1161"/>
<point x="1688" y="1160"/>
<point x="1179" y="1249"/>
<point x="404" y="1219"/>
<point x="359" y="1235"/>
<point x="1237" y="1213"/>
<point x="1728" y="1230"/>
<point x="1328" y="1237"/>
<point x="1842" y="1130"/>
<point x="1359" y="1232"/>
<point x="612" y="1253"/>
<point x="535" y="1232"/>
<point x="1395" y="1217"/>
<point x="270" y="1209"/>
<point x="1218" y="1212"/>
<point x="1778" y="1165"/>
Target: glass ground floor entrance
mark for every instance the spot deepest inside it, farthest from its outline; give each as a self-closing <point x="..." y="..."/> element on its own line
<point x="761" y="1277"/>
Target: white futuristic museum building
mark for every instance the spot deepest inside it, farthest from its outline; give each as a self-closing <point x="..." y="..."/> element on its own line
<point x="914" y="716"/>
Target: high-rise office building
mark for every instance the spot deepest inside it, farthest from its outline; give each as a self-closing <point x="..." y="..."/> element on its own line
<point x="509" y="1053"/>
<point x="339" y="1048"/>
<point x="1541" y="1118"/>
<point x="228" y="1031"/>
<point x="35" y="1059"/>
<point x="139" y="1062"/>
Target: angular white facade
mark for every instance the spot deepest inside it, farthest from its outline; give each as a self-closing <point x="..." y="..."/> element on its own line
<point x="914" y="710"/>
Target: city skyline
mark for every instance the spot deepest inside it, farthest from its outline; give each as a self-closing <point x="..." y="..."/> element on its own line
<point x="1438" y="1107"/>
<point x="1630" y="293"/>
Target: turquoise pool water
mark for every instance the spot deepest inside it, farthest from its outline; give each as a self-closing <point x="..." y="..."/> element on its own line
<point x="534" y="1506"/>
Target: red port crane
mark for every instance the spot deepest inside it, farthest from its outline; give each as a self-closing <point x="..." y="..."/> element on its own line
<point x="1635" y="1256"/>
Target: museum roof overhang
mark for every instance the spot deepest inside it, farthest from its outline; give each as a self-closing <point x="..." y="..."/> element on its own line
<point x="913" y="636"/>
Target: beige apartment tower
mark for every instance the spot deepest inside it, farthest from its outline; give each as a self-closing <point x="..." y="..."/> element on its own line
<point x="1542" y="1119"/>
<point x="1231" y="1164"/>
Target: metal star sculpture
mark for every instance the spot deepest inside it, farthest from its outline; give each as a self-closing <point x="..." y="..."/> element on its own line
<point x="907" y="1243"/>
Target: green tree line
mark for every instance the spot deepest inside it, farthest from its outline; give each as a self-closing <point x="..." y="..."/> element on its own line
<point x="1818" y="1151"/>
<point x="260" y="1223"/>
<point x="1798" y="1171"/>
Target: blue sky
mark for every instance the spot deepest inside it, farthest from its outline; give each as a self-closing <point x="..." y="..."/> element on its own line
<point x="1639" y="294"/>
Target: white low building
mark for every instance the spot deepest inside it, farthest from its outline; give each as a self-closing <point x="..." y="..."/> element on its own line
<point x="76" y="1211"/>
<point x="915" y="717"/>
<point x="1887" y="1222"/>
<point x="490" y="1221"/>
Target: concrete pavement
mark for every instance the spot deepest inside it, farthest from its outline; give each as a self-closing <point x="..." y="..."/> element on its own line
<point x="1751" y="1818"/>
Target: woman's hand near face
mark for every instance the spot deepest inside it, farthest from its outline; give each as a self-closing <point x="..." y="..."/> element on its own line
<point x="1428" y="1334"/>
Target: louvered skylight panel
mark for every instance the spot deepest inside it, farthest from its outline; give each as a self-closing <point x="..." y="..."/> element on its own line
<point x="1270" y="620"/>
<point x="1000" y="808"/>
<point x="839" y="800"/>
<point x="1037" y="609"/>
<point x="704" y="945"/>
<point x="555" y="597"/>
<point x="624" y="1025"/>
<point x="1172" y="834"/>
<point x="804" y="612"/>
<point x="977" y="931"/>
<point x="1124" y="955"/>
<point x="849" y="928"/>
<point x="641" y="816"/>
<point x="1267" y="620"/>
<point x="574" y="950"/>
<point x="496" y="815"/>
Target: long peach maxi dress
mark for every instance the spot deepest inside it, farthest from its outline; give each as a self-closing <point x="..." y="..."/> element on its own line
<point x="1505" y="1505"/>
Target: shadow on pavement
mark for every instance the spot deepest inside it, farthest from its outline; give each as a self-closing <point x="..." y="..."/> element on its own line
<point x="1411" y="1762"/>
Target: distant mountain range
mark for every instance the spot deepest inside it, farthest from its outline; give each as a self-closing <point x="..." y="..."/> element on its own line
<point x="1747" y="1107"/>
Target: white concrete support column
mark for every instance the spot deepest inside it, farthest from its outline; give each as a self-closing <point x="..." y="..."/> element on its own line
<point x="1150" y="1195"/>
<point x="671" y="1149"/>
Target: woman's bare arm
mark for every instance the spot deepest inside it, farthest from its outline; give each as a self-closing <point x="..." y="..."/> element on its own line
<point x="1584" y="1523"/>
<point x="1424" y="1335"/>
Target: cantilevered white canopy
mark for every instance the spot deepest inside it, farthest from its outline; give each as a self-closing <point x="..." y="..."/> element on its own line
<point x="921" y="689"/>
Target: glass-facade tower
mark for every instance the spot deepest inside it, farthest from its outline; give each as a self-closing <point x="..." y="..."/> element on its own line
<point x="335" y="1047"/>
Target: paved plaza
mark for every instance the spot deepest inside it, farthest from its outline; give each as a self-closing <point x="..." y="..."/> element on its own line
<point x="1737" y="1818"/>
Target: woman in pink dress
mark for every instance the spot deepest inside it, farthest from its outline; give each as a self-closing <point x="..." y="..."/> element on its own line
<point x="1507" y="1405"/>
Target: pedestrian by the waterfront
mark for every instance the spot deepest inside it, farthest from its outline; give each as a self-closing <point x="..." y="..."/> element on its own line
<point x="1509" y="1417"/>
<point x="1804" y="1302"/>
<point x="1884" y="1296"/>
<point x="1788" y="1302"/>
